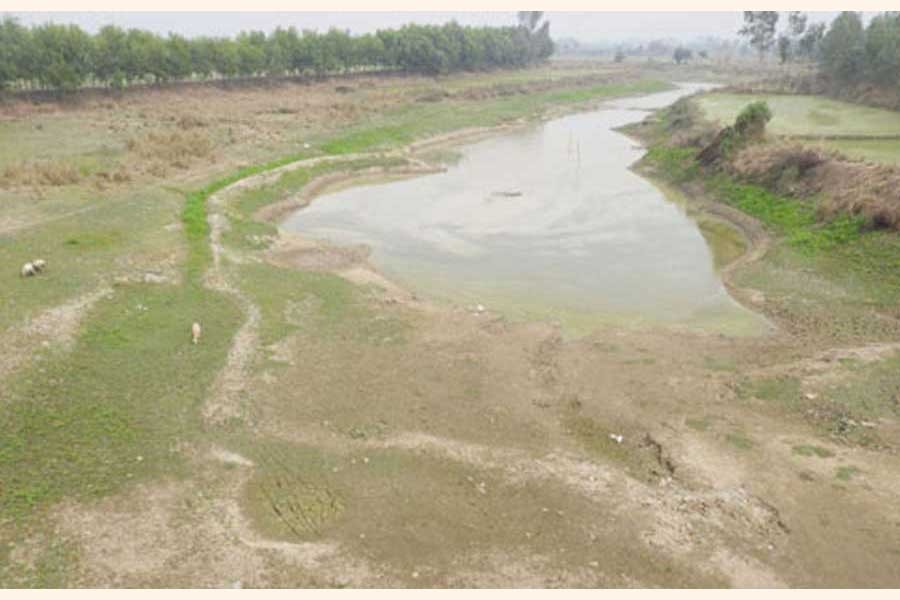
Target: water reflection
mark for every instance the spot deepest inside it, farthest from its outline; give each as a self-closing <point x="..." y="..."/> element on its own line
<point x="548" y="222"/>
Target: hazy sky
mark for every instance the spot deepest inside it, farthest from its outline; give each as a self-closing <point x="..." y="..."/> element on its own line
<point x="586" y="27"/>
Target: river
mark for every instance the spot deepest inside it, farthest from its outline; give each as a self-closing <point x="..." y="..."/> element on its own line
<point x="547" y="222"/>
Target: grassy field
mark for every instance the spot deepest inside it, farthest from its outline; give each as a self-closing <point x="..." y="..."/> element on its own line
<point x="879" y="151"/>
<point x="797" y="115"/>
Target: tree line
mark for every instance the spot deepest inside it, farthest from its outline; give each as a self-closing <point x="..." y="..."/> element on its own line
<point x="65" y="57"/>
<point x="846" y="50"/>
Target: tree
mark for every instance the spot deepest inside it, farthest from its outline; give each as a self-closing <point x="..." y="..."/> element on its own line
<point x="65" y="57"/>
<point x="110" y="54"/>
<point x="784" y="48"/>
<point x="620" y="55"/>
<point x="883" y="49"/>
<point x="808" y="45"/>
<point x="844" y="48"/>
<point x="62" y="54"/>
<point x="759" y="28"/>
<point x="529" y="19"/>
<point x="682" y="54"/>
<point x="177" y="58"/>
<point x="15" y="52"/>
<point x="796" y="23"/>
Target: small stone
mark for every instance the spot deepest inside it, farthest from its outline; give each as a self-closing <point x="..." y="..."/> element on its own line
<point x="362" y="536"/>
<point x="139" y="458"/>
<point x="415" y="574"/>
<point x="594" y="564"/>
<point x="366" y="459"/>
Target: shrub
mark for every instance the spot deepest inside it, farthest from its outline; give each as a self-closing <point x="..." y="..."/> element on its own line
<point x="751" y="122"/>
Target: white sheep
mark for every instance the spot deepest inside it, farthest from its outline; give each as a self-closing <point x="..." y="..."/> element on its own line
<point x="39" y="264"/>
<point x="28" y="270"/>
<point x="195" y="332"/>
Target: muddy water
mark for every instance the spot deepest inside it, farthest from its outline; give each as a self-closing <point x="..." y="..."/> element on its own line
<point x="547" y="222"/>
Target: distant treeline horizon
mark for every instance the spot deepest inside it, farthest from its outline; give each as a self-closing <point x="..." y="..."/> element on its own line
<point x="65" y="57"/>
<point x="847" y="50"/>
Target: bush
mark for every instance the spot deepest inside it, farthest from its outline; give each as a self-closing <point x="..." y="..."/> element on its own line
<point x="751" y="122"/>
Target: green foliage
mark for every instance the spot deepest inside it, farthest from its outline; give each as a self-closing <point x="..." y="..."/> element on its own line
<point x="846" y="473"/>
<point x="65" y="57"/>
<point x="844" y="48"/>
<point x="790" y="217"/>
<point x="677" y="164"/>
<point x="883" y="49"/>
<point x="795" y="219"/>
<point x="753" y="118"/>
<point x="807" y="450"/>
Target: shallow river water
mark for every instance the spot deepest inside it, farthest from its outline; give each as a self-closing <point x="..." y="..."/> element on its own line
<point x="547" y="222"/>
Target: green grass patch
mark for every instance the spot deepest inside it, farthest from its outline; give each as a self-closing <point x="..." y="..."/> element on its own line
<point x="322" y="304"/>
<point x="846" y="473"/>
<point x="804" y="115"/>
<point x="807" y="450"/>
<point x="678" y="165"/>
<point x="739" y="440"/>
<point x="95" y="239"/>
<point x="871" y="391"/>
<point x="880" y="151"/>
<point x="632" y="454"/>
<point x="76" y="423"/>
<point x="401" y="127"/>
<point x="701" y="424"/>
<point x="792" y="218"/>
<point x="783" y="390"/>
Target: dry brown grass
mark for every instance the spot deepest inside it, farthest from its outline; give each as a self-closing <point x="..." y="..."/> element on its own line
<point x="174" y="148"/>
<point x="37" y="173"/>
<point x="843" y="186"/>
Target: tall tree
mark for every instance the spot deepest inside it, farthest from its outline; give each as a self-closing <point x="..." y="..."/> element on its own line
<point x="883" y="49"/>
<point x="844" y="48"/>
<point x="809" y="43"/>
<point x="529" y="19"/>
<point x="797" y="23"/>
<point x="759" y="28"/>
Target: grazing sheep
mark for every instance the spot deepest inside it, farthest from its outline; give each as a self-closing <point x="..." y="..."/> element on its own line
<point x="28" y="270"/>
<point x="195" y="332"/>
<point x="39" y="264"/>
